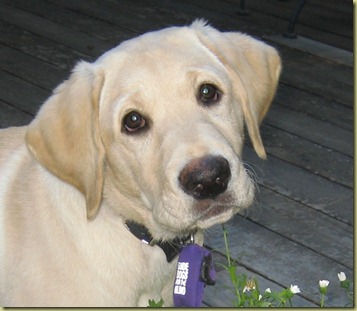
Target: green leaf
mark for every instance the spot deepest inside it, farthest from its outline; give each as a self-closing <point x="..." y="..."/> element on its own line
<point x="154" y="304"/>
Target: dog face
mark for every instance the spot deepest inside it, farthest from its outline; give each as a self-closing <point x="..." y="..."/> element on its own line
<point x="154" y="128"/>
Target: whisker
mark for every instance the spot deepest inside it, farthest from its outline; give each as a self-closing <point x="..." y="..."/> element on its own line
<point x="251" y="170"/>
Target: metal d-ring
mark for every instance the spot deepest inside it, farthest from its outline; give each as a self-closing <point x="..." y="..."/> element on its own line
<point x="192" y="238"/>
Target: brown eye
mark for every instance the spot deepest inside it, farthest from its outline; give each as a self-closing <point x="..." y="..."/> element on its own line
<point x="209" y="94"/>
<point x="133" y="122"/>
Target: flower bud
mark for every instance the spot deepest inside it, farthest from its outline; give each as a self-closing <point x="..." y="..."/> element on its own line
<point x="294" y="289"/>
<point x="323" y="286"/>
<point x="341" y="276"/>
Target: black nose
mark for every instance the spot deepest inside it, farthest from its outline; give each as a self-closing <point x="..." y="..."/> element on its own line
<point x="205" y="177"/>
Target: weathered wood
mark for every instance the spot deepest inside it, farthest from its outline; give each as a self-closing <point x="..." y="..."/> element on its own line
<point x="303" y="225"/>
<point x="190" y="12"/>
<point x="309" y="189"/>
<point x="312" y="157"/>
<point x="130" y="15"/>
<point x="69" y="37"/>
<point x="313" y="22"/>
<point x="322" y="50"/>
<point x="30" y="68"/>
<point x="310" y="128"/>
<point x="315" y="106"/>
<point x="73" y="19"/>
<point x="315" y="15"/>
<point x="21" y="94"/>
<point x="284" y="261"/>
<point x="314" y="74"/>
<point x="39" y="47"/>
<point x="11" y="116"/>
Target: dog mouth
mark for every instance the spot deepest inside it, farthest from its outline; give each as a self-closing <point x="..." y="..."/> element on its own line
<point x="177" y="216"/>
<point x="210" y="208"/>
<point x="200" y="215"/>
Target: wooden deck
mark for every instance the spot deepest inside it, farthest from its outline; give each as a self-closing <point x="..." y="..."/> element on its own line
<point x="301" y="228"/>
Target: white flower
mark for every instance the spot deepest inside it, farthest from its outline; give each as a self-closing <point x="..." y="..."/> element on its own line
<point x="323" y="283"/>
<point x="268" y="290"/>
<point x="294" y="289"/>
<point x="260" y="297"/>
<point x="341" y="276"/>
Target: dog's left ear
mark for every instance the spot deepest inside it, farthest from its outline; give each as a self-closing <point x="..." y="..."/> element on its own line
<point x="65" y="138"/>
<point x="254" y="68"/>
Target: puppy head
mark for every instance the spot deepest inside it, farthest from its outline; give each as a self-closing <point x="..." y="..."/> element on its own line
<point x="156" y="125"/>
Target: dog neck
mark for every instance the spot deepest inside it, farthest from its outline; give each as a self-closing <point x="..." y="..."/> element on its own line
<point x="171" y="248"/>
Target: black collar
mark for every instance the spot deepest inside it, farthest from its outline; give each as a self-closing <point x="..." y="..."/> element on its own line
<point x="171" y="248"/>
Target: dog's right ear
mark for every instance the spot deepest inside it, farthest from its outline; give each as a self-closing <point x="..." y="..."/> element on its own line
<point x="253" y="66"/>
<point x="65" y="137"/>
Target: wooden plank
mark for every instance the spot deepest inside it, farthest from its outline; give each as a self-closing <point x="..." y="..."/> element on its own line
<point x="39" y="47"/>
<point x="316" y="48"/>
<point x="315" y="106"/>
<point x="69" y="37"/>
<point x="122" y="14"/>
<point x="313" y="74"/>
<point x="30" y="68"/>
<point x="10" y="116"/>
<point x="21" y="94"/>
<point x="310" y="128"/>
<point x="344" y="6"/>
<point x="73" y="19"/>
<point x="282" y="260"/>
<point x="313" y="21"/>
<point x="298" y="184"/>
<point x="190" y="12"/>
<point x="303" y="225"/>
<point x="315" y="16"/>
<point x="310" y="156"/>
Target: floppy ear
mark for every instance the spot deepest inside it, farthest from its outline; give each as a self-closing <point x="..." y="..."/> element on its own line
<point x="64" y="137"/>
<point x="254" y="68"/>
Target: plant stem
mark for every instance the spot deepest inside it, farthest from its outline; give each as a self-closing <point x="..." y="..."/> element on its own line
<point x="290" y="303"/>
<point x="226" y="245"/>
<point x="322" y="300"/>
<point x="231" y="268"/>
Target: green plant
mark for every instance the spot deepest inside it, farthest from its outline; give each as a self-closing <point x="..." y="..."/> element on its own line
<point x="247" y="292"/>
<point x="323" y="290"/>
<point x="154" y="304"/>
<point x="346" y="284"/>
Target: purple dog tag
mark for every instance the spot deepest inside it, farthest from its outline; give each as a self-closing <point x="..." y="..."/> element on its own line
<point x="194" y="271"/>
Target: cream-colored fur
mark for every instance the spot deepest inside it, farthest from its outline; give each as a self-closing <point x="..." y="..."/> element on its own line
<point x="70" y="179"/>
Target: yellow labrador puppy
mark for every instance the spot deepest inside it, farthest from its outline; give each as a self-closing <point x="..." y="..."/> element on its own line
<point x="139" y="148"/>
